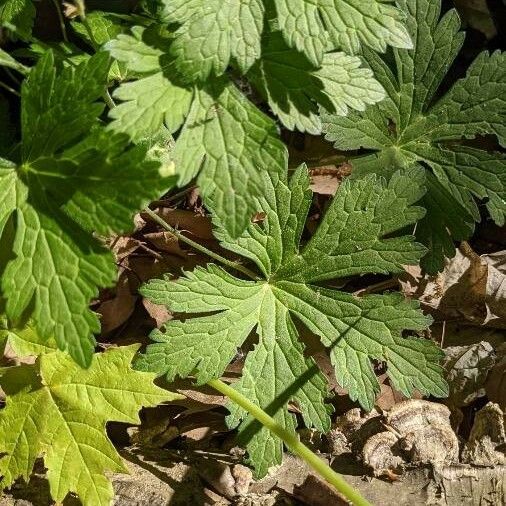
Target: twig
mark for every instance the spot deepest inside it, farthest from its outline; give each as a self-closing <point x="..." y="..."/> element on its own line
<point x="195" y="245"/>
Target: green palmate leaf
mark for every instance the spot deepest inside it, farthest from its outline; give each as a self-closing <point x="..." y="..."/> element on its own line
<point x="58" y="411"/>
<point x="310" y="25"/>
<point x="66" y="184"/>
<point x="102" y="27"/>
<point x="25" y="341"/>
<point x="294" y="87"/>
<point x="356" y="236"/>
<point x="411" y="126"/>
<point x="18" y="16"/>
<point x="213" y="32"/>
<point x="224" y="138"/>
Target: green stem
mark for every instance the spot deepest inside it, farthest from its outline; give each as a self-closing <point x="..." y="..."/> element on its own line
<point x="292" y="442"/>
<point x="108" y="99"/>
<point x="229" y="263"/>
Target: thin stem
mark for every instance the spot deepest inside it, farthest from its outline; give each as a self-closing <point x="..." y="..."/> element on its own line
<point x="292" y="442"/>
<point x="12" y="76"/>
<point x="8" y="88"/>
<point x="108" y="99"/>
<point x="229" y="263"/>
<point x="61" y="20"/>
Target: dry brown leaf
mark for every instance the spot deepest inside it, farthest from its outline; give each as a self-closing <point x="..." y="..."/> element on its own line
<point x="124" y="246"/>
<point x="470" y="287"/>
<point x="188" y="221"/>
<point x="159" y="313"/>
<point x="165" y="241"/>
<point x="467" y="368"/>
<point x="496" y="382"/>
<point x="116" y="311"/>
<point x="325" y="180"/>
<point x="487" y="441"/>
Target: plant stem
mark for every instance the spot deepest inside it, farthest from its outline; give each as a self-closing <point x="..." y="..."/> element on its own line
<point x="292" y="442"/>
<point x="8" y="88"/>
<point x="108" y="99"/>
<point x="229" y="263"/>
<point x="61" y="20"/>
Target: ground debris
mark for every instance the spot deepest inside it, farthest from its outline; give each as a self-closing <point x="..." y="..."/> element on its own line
<point x="487" y="441"/>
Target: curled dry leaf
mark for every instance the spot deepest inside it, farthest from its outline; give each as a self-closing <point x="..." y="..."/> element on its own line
<point x="472" y="287"/>
<point x="116" y="311"/>
<point x="496" y="382"/>
<point x="467" y="368"/>
<point x="123" y="246"/>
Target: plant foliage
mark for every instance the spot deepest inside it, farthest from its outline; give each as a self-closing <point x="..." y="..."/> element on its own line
<point x="58" y="411"/>
<point x="354" y="237"/>
<point x="414" y="125"/>
<point x="223" y="137"/>
<point x="200" y="90"/>
<point x="67" y="179"/>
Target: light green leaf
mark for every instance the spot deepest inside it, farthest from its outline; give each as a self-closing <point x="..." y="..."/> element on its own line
<point x="410" y="126"/>
<point x="224" y="140"/>
<point x="58" y="411"/>
<point x="357" y="235"/>
<point x="310" y="25"/>
<point x="149" y="103"/>
<point x="233" y="143"/>
<point x="68" y="184"/>
<point x="18" y="16"/>
<point x="103" y="27"/>
<point x="295" y="89"/>
<point x="213" y="32"/>
<point x="6" y="60"/>
<point x="26" y="341"/>
<point x="140" y="52"/>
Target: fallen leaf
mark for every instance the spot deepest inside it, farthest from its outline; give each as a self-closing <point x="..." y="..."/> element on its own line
<point x="187" y="221"/>
<point x="116" y="311"/>
<point x="326" y="179"/>
<point x="159" y="313"/>
<point x="165" y="241"/>
<point x="486" y="445"/>
<point x="471" y="287"/>
<point x="496" y="382"/>
<point x="467" y="368"/>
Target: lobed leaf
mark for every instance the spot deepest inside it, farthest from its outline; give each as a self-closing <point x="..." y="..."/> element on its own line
<point x="357" y="235"/>
<point x="58" y="411"/>
<point x="430" y="131"/>
<point x="64" y="187"/>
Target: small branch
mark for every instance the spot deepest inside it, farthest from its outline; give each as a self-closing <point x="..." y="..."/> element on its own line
<point x="195" y="245"/>
<point x="61" y="20"/>
<point x="8" y="88"/>
<point x="292" y="442"/>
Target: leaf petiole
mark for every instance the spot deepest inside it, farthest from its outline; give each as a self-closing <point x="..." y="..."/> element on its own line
<point x="229" y="263"/>
<point x="292" y="442"/>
